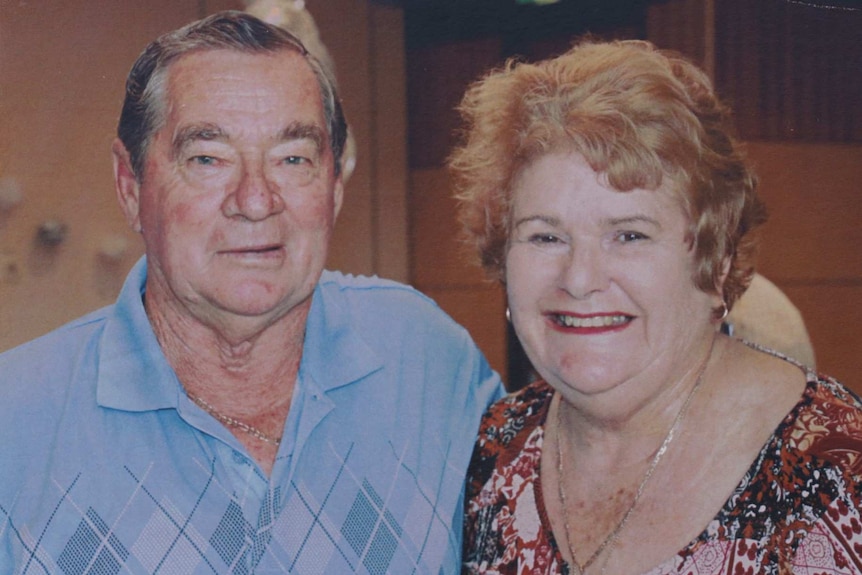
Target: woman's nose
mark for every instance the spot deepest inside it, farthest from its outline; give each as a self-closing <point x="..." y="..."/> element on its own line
<point x="583" y="272"/>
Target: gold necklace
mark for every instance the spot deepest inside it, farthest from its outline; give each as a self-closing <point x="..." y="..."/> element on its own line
<point x="611" y="539"/>
<point x="231" y="422"/>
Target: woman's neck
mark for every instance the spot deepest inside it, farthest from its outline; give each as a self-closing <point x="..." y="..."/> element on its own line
<point x="624" y="426"/>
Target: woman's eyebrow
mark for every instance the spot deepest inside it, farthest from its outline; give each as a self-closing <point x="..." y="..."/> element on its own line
<point x="635" y="219"/>
<point x="550" y="220"/>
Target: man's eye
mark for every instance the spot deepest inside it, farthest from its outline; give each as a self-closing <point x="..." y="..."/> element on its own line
<point x="203" y="160"/>
<point x="295" y="160"/>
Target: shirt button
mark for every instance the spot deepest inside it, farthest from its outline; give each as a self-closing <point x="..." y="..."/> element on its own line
<point x="239" y="458"/>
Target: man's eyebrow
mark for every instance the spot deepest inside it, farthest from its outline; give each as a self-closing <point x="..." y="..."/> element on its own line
<point x="209" y="132"/>
<point x="304" y="131"/>
<point x="193" y="133"/>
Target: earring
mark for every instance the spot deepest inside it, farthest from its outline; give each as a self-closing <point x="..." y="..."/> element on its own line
<point x="724" y="311"/>
<point x="508" y="315"/>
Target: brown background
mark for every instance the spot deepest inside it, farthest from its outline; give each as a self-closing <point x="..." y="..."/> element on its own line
<point x="790" y="70"/>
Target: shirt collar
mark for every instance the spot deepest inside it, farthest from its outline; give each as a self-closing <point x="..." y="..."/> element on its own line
<point x="335" y="353"/>
<point x="134" y="374"/>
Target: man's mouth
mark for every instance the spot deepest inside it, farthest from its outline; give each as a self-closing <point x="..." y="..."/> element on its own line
<point x="255" y="249"/>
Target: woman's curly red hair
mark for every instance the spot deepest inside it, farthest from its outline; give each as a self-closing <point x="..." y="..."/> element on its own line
<point x="638" y="116"/>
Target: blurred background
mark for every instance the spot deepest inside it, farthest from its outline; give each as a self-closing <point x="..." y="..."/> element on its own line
<point x="791" y="70"/>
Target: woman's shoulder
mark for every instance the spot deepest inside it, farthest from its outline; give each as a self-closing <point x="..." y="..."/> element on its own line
<point x="509" y="423"/>
<point x="510" y="438"/>
<point x="827" y="424"/>
<point x="528" y="405"/>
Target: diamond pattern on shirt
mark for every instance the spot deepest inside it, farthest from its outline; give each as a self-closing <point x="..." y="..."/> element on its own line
<point x="231" y="537"/>
<point x="166" y="545"/>
<point x="353" y="521"/>
<point x="371" y="531"/>
<point x="92" y="549"/>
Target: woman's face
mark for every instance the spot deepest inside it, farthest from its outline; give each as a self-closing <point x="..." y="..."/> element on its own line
<point x="600" y="281"/>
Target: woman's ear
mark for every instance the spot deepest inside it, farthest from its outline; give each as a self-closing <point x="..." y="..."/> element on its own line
<point x="725" y="271"/>
<point x="720" y="311"/>
<point x="127" y="185"/>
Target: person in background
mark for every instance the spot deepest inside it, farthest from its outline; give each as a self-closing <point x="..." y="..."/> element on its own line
<point x="238" y="410"/>
<point x="764" y="315"/>
<point x="605" y="190"/>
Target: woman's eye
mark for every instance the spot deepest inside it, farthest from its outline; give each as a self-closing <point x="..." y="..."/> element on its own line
<point x="544" y="239"/>
<point x="295" y="160"/>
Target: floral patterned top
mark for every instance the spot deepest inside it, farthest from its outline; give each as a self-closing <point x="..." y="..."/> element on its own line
<point x="797" y="510"/>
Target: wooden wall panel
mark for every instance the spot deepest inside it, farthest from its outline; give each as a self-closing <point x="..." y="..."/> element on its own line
<point x="389" y="157"/>
<point x="351" y="248"/>
<point x="684" y="26"/>
<point x="812" y="192"/>
<point x="440" y="258"/>
<point x="832" y="316"/>
<point x="791" y="69"/>
<point x="61" y="78"/>
<point x="810" y="245"/>
<point x="437" y="77"/>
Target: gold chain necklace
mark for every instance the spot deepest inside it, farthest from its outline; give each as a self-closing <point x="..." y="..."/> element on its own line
<point x="611" y="539"/>
<point x="231" y="422"/>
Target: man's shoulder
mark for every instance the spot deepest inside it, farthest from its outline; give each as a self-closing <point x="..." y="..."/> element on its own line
<point x="366" y="284"/>
<point x="49" y="352"/>
<point x="375" y="295"/>
<point x="390" y="316"/>
<point x="42" y="382"/>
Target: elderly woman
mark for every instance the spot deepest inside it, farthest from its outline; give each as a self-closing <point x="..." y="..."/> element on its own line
<point x="604" y="190"/>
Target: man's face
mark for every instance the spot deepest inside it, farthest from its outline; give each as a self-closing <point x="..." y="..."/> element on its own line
<point x="238" y="197"/>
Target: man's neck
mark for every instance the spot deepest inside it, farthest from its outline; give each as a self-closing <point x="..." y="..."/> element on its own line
<point x="249" y="379"/>
<point x="232" y="363"/>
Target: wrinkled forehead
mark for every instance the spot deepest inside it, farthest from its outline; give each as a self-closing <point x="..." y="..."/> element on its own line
<point x="284" y="67"/>
<point x="221" y="85"/>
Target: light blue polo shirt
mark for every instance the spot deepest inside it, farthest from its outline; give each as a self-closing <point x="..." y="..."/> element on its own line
<point x="106" y="467"/>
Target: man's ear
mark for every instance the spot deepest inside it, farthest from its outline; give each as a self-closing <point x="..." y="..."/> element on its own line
<point x="127" y="186"/>
<point x="337" y="197"/>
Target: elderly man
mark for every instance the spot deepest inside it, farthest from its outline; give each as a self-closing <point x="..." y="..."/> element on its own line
<point x="238" y="410"/>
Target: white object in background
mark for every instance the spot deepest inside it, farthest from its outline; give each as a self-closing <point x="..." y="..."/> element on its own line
<point x="10" y="193"/>
<point x="113" y="248"/>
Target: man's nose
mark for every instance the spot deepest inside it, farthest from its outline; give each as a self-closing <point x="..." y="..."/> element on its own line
<point x="254" y="196"/>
